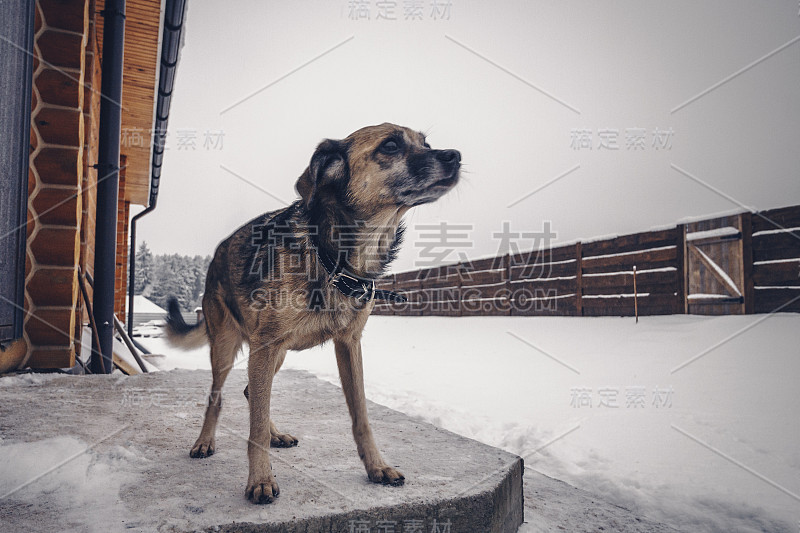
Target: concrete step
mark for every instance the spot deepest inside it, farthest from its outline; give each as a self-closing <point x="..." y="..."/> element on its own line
<point x="141" y="428"/>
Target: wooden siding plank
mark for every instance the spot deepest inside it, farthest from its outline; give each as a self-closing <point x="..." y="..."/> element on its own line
<point x="784" y="245"/>
<point x="630" y="243"/>
<point x="551" y="270"/>
<point x="772" y="300"/>
<point x="643" y="261"/>
<point x="787" y="217"/>
<point x="560" y="253"/>
<point x="777" y="274"/>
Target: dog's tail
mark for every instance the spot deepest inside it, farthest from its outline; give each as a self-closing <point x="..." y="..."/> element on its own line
<point x="179" y="333"/>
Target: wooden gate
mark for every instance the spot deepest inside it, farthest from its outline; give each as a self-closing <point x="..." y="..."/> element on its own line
<point x="715" y="269"/>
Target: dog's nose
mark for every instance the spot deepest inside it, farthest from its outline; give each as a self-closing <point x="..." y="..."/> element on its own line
<point x="449" y="156"/>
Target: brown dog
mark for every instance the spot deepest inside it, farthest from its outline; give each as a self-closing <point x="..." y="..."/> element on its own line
<point x="294" y="278"/>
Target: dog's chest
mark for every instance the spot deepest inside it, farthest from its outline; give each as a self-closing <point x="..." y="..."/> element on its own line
<point x="315" y="327"/>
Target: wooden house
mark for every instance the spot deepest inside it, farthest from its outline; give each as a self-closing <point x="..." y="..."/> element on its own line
<point x="52" y="59"/>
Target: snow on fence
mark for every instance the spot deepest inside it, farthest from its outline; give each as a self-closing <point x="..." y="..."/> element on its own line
<point x="677" y="271"/>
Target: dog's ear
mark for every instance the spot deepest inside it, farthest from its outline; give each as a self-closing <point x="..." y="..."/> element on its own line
<point x="328" y="165"/>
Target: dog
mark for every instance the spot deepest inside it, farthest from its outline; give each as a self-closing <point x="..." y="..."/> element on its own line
<point x="297" y="277"/>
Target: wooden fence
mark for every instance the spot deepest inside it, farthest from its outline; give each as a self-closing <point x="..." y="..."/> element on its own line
<point x="743" y="263"/>
<point x="774" y="276"/>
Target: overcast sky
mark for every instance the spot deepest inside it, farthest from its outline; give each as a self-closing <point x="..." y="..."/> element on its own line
<point x="597" y="117"/>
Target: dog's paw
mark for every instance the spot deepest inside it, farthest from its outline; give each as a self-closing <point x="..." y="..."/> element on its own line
<point x="282" y="440"/>
<point x="202" y="448"/>
<point x="262" y="490"/>
<point x="386" y="475"/>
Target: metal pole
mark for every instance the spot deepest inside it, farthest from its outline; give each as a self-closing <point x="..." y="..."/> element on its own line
<point x="131" y="276"/>
<point x="92" y="324"/>
<point x="108" y="184"/>
<point x="129" y="343"/>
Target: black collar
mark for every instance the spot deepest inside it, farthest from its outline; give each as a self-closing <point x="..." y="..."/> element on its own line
<point x="359" y="288"/>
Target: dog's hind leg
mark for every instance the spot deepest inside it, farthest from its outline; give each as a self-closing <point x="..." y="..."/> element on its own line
<point x="351" y="373"/>
<point x="278" y="439"/>
<point x="225" y="341"/>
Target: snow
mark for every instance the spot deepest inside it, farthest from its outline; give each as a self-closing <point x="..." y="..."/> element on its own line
<point x="629" y="295"/>
<point x="707" y="216"/>
<point x="712" y="448"/>
<point x="165" y="357"/>
<point x="773" y="231"/>
<point x="546" y="297"/>
<point x="153" y="328"/>
<point x="774" y="261"/>
<point x="638" y="271"/>
<point x="554" y="278"/>
<point x="711" y="233"/>
<point x="634" y="252"/>
<point x="70" y="476"/>
<point x="120" y="350"/>
<point x="32" y="380"/>
<point x="143" y="305"/>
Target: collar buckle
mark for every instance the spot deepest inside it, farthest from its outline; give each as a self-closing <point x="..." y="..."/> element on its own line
<point x="369" y="292"/>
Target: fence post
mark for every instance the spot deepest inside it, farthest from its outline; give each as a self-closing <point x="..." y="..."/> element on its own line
<point x="680" y="258"/>
<point x="746" y="227"/>
<point x="578" y="279"/>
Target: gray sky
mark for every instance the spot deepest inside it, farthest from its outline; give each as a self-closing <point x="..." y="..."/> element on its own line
<point x="522" y="89"/>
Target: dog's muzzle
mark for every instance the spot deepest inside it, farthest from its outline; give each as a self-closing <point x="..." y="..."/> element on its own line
<point x="431" y="174"/>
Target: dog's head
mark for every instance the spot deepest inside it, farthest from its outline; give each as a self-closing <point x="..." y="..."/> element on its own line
<point x="379" y="168"/>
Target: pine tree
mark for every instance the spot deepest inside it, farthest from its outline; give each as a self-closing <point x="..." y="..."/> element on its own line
<point x="144" y="269"/>
<point x="183" y="277"/>
<point x="199" y="267"/>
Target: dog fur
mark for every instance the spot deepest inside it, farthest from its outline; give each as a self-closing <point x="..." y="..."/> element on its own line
<point x="266" y="285"/>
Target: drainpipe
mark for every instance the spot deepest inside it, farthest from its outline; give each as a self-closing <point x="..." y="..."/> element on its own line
<point x="132" y="267"/>
<point x="174" y="11"/>
<point x="107" y="184"/>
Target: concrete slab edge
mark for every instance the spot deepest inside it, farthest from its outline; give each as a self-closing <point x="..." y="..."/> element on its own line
<point x="497" y="510"/>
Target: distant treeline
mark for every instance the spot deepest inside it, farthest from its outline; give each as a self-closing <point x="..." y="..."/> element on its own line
<point x="160" y="276"/>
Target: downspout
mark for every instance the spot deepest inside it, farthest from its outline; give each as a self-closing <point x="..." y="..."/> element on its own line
<point x="108" y="184"/>
<point x="174" y="12"/>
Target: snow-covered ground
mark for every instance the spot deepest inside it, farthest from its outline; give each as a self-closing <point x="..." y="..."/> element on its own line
<point x="143" y="305"/>
<point x="687" y="420"/>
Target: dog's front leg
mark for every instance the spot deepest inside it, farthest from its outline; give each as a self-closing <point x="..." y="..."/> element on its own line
<point x="261" y="484"/>
<point x="351" y="373"/>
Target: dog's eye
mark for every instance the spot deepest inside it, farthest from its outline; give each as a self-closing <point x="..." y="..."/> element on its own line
<point x="390" y="147"/>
